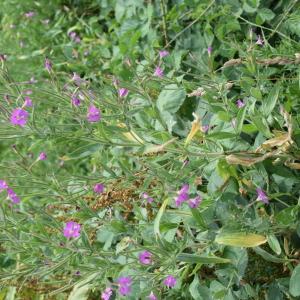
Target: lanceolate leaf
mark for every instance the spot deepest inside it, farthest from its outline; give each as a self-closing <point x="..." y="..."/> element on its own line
<point x="195" y="259"/>
<point x="295" y="282"/>
<point x="240" y="239"/>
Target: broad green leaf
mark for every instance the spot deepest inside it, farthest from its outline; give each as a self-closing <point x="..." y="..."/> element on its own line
<point x="269" y="104"/>
<point x="265" y="14"/>
<point x="170" y="99"/>
<point x="80" y="292"/>
<point x="198" y="217"/>
<point x="261" y="124"/>
<point x="195" y="259"/>
<point x="295" y="282"/>
<point x="240" y="239"/>
<point x="274" y="244"/>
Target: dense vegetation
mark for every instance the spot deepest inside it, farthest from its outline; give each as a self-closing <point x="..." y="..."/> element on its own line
<point x="149" y="149"/>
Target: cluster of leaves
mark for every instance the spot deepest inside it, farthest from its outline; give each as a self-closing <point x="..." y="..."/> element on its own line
<point x="151" y="141"/>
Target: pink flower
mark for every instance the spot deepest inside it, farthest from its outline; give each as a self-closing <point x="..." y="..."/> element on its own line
<point x="27" y="92"/>
<point x="19" y="117"/>
<point x="28" y="101"/>
<point x="76" y="79"/>
<point x="170" y="281"/>
<point x="145" y="258"/>
<point x="147" y="198"/>
<point x="99" y="188"/>
<point x="76" y="101"/>
<point x="163" y="53"/>
<point x="152" y="296"/>
<point x="42" y="156"/>
<point x="3" y="185"/>
<point x="29" y="14"/>
<point x="204" y="128"/>
<point x="182" y="195"/>
<point x="124" y="285"/>
<point x="240" y="103"/>
<point x="72" y="229"/>
<point x="209" y="50"/>
<point x="123" y="92"/>
<point x="48" y="64"/>
<point x="13" y="196"/>
<point x="261" y="196"/>
<point x="158" y="72"/>
<point x="106" y="294"/>
<point x="93" y="114"/>
<point x="194" y="203"/>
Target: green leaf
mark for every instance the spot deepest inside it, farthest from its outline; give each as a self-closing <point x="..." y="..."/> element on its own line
<point x="274" y="244"/>
<point x="170" y="99"/>
<point x="295" y="282"/>
<point x="266" y="14"/>
<point x="159" y="216"/>
<point x="195" y="259"/>
<point x="269" y="104"/>
<point x="80" y="292"/>
<point x="198" y="217"/>
<point x="261" y="124"/>
<point x="269" y="257"/>
<point x="240" y="239"/>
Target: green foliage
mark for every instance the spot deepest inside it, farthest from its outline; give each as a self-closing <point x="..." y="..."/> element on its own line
<point x="182" y="128"/>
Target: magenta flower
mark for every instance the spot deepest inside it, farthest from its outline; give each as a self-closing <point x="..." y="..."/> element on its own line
<point x="42" y="156"/>
<point x="240" y="103"/>
<point x="163" y="53"/>
<point x="13" y="196"/>
<point x="194" y="202"/>
<point x="19" y="117"/>
<point x="152" y="296"/>
<point x="209" y="50"/>
<point x="99" y="188"/>
<point x="28" y="101"/>
<point x="124" y="285"/>
<point x="106" y="294"/>
<point x="29" y="14"/>
<point x="182" y="195"/>
<point x="147" y="198"/>
<point x="261" y="196"/>
<point x="3" y="185"/>
<point x="145" y="257"/>
<point x="72" y="229"/>
<point x="48" y="64"/>
<point x="259" y="41"/>
<point x="123" y="92"/>
<point x="76" y="101"/>
<point x="93" y="114"/>
<point x="158" y="72"/>
<point x="170" y="281"/>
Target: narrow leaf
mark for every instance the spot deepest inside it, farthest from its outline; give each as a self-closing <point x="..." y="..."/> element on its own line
<point x="240" y="239"/>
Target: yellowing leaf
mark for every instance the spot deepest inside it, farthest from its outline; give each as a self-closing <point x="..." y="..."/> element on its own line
<point x="246" y="159"/>
<point x="196" y="126"/>
<point x="131" y="135"/>
<point x="240" y="239"/>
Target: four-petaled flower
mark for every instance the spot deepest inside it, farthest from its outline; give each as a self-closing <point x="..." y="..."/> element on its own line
<point x="209" y="50"/>
<point x="124" y="285"/>
<point x="93" y="114"/>
<point x="28" y="101"/>
<point x="42" y="156"/>
<point x="145" y="257"/>
<point x="72" y="229"/>
<point x="194" y="202"/>
<point x="19" y="117"/>
<point x="170" y="281"/>
<point x="163" y="53"/>
<point x="147" y="198"/>
<point x="259" y="41"/>
<point x="106" y="294"/>
<point x="29" y="14"/>
<point x="3" y="185"/>
<point x="240" y="103"/>
<point x="75" y="100"/>
<point x="182" y="195"/>
<point x="158" y="72"/>
<point x="99" y="188"/>
<point x="123" y="92"/>
<point x="13" y="196"/>
<point x="261" y="196"/>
